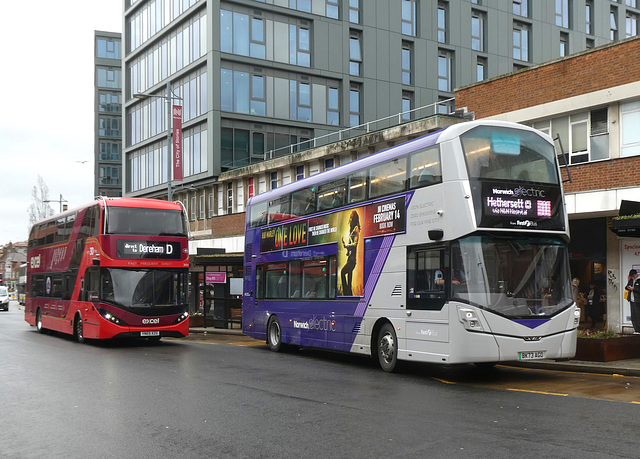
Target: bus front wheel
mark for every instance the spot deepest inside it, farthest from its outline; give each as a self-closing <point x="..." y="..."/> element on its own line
<point x="388" y="348"/>
<point x="274" y="334"/>
<point x="77" y="329"/>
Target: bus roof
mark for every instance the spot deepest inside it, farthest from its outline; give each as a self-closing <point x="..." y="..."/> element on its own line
<point x="117" y="202"/>
<point x="424" y="141"/>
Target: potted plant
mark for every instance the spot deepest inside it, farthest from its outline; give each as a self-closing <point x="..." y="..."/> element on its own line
<point x="606" y="345"/>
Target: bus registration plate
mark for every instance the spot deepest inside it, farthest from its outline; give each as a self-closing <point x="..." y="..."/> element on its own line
<point x="150" y="333"/>
<point x="531" y="355"/>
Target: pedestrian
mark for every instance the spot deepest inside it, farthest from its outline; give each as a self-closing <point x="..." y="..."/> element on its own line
<point x="633" y="286"/>
<point x="594" y="305"/>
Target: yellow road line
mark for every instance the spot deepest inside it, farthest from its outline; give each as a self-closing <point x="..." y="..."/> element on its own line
<point x="538" y="392"/>
<point x="444" y="381"/>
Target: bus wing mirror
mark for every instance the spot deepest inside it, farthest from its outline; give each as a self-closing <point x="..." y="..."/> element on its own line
<point x="436" y="234"/>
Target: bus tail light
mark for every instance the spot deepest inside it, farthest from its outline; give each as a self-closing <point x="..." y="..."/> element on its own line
<point x="110" y="317"/>
<point x="469" y="318"/>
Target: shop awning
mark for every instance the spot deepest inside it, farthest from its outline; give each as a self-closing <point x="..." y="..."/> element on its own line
<point x="627" y="223"/>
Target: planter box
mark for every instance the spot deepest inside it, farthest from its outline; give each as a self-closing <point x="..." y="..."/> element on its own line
<point x="608" y="349"/>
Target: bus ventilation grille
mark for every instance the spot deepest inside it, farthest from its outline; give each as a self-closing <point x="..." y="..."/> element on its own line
<point x="397" y="290"/>
<point x="356" y="328"/>
<point x="248" y="270"/>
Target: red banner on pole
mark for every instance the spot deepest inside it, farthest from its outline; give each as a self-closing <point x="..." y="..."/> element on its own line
<point x="177" y="142"/>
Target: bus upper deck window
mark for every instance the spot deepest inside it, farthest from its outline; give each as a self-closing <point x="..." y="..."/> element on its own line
<point x="425" y="168"/>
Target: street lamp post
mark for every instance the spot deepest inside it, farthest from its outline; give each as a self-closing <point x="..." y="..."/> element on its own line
<point x="58" y="200"/>
<point x="168" y="98"/>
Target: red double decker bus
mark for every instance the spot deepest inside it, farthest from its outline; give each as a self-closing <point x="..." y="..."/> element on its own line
<point x="115" y="268"/>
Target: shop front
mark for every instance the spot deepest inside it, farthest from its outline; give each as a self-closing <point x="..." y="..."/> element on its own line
<point x="216" y="289"/>
<point x="588" y="261"/>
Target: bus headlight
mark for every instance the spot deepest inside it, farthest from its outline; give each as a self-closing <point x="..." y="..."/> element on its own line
<point x="181" y="318"/>
<point x="110" y="317"/>
<point x="469" y="318"/>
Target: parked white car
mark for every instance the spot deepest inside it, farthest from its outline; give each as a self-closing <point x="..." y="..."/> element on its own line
<point x="4" y="298"/>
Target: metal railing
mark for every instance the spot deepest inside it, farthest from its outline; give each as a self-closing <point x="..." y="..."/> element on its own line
<point x="354" y="131"/>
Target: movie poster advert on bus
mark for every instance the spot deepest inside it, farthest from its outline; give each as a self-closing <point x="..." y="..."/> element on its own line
<point x="387" y="217"/>
<point x="323" y="230"/>
<point x="521" y="206"/>
<point x="350" y="252"/>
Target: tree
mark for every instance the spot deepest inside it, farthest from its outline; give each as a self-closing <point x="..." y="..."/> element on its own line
<point x="39" y="207"/>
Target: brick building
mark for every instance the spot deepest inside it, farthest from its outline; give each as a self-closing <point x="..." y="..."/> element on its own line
<point x="590" y="104"/>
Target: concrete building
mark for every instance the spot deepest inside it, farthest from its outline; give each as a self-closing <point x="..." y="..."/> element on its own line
<point x="591" y="102"/>
<point x="108" y="114"/>
<point x="259" y="80"/>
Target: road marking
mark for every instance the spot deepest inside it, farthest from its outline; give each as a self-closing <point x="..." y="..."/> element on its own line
<point x="445" y="381"/>
<point x="538" y="392"/>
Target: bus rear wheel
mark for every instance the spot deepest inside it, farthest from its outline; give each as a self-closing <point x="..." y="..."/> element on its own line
<point x="77" y="330"/>
<point x="387" y="347"/>
<point x="39" y="321"/>
<point x="274" y="334"/>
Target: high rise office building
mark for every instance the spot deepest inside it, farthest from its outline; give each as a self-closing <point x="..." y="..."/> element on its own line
<point x="256" y="76"/>
<point x="108" y="114"/>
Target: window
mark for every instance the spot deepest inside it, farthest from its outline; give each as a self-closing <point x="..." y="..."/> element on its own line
<point x="589" y="17"/>
<point x="388" y="178"/>
<point x="445" y="82"/>
<point x="481" y="69"/>
<point x="257" y="42"/>
<point x="442" y="22"/>
<point x="333" y="8"/>
<point x="329" y="163"/>
<point x="564" y="44"/>
<point x="355" y="55"/>
<point x="202" y="207"/>
<point x="629" y="132"/>
<point x="407" y="106"/>
<point x="229" y="198"/>
<point x="409" y="17"/>
<point x="274" y="180"/>
<point x="300" y="100"/>
<point x="613" y="23"/>
<point x="193" y="207"/>
<point x="333" y="110"/>
<point x="303" y="202"/>
<point x="108" y="48"/>
<point x="354" y="11"/>
<point x="300" y="5"/>
<point x="425" y="168"/>
<point x="406" y="63"/>
<point x="477" y="30"/>
<point x="299" y="46"/>
<point x="599" y="135"/>
<point x="631" y="3"/>
<point x="520" y="41"/>
<point x="299" y="172"/>
<point x="241" y="34"/>
<point x="310" y="278"/>
<point x="354" y="106"/>
<point x="426" y="278"/>
<point x="563" y="13"/>
<point x="584" y="136"/>
<point x="212" y="204"/>
<point x="250" y="188"/>
<point x="258" y="101"/>
<point x="631" y="24"/>
<point x="332" y="195"/>
<point x="357" y="187"/>
<point x="521" y="8"/>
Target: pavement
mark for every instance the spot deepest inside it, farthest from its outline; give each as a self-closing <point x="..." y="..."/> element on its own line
<point x="629" y="367"/>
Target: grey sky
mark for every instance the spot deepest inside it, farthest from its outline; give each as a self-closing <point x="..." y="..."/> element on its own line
<point x="46" y="120"/>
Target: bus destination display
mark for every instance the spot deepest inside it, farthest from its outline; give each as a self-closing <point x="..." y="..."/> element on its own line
<point x="527" y="207"/>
